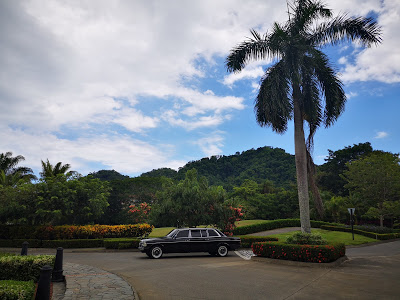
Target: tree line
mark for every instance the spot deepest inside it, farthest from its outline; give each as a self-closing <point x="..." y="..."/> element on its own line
<point x="355" y="176"/>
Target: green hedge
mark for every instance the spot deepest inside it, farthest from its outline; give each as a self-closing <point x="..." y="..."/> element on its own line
<point x="17" y="290"/>
<point x="17" y="243"/>
<point x="304" y="253"/>
<point x="246" y="241"/>
<point x="73" y="232"/>
<point x="121" y="243"/>
<point x="87" y="243"/>
<point x="24" y="268"/>
<point x="274" y="224"/>
<point x="377" y="236"/>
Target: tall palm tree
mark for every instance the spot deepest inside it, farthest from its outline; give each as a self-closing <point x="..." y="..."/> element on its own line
<point x="301" y="83"/>
<point x="9" y="170"/>
<point x="48" y="170"/>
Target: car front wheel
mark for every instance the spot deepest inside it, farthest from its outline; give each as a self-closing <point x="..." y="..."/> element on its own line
<point x="222" y="251"/>
<point x="156" y="252"/>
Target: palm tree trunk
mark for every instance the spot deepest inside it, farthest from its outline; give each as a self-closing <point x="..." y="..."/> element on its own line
<point x="301" y="168"/>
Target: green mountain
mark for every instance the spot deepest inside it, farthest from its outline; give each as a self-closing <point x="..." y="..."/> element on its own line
<point x="263" y="163"/>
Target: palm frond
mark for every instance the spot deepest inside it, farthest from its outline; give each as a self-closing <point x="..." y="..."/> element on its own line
<point x="365" y="30"/>
<point x="255" y="48"/>
<point x="306" y="12"/>
<point x="272" y="105"/>
<point x="331" y="86"/>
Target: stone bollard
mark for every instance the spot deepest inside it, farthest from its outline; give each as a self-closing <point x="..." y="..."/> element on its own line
<point x="24" y="250"/>
<point x="57" y="275"/>
<point x="43" y="288"/>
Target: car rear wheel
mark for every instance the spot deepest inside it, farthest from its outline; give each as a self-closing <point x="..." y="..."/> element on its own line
<point x="222" y="250"/>
<point x="156" y="252"/>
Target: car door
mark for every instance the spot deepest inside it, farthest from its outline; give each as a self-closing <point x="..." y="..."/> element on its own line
<point x="214" y="240"/>
<point x="197" y="242"/>
<point x="182" y="241"/>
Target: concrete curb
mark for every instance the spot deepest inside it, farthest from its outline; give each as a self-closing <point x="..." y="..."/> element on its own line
<point x="299" y="263"/>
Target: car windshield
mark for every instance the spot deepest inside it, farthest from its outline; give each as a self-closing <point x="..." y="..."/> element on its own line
<point x="172" y="233"/>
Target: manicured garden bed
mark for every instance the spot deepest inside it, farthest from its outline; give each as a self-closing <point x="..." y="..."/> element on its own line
<point x="303" y="253"/>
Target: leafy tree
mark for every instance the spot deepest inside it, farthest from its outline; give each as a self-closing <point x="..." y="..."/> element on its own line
<point x="10" y="173"/>
<point x="329" y="173"/>
<point x="301" y="84"/>
<point x="386" y="209"/>
<point x="191" y="202"/>
<point x="48" y="170"/>
<point x="375" y="179"/>
<point x="108" y="175"/>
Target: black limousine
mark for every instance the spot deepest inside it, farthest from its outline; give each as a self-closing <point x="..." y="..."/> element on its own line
<point x="184" y="240"/>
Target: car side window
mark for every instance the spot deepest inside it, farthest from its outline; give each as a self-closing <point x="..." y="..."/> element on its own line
<point x="183" y="234"/>
<point x="195" y="233"/>
<point x="212" y="232"/>
<point x="203" y="233"/>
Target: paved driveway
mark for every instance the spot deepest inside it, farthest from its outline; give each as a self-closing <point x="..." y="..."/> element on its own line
<point x="372" y="272"/>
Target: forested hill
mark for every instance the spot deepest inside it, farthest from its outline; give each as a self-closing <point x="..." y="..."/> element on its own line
<point x="263" y="163"/>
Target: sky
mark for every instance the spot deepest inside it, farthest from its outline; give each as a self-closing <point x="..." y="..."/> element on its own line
<point x="140" y="85"/>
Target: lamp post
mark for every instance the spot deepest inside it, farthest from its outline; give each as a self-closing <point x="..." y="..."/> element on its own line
<point x="351" y="212"/>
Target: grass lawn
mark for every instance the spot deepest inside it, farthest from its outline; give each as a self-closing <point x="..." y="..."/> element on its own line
<point x="248" y="222"/>
<point x="333" y="236"/>
<point x="162" y="231"/>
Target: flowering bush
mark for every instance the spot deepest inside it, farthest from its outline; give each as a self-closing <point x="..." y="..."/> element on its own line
<point x="140" y="213"/>
<point x="230" y="216"/>
<point x="305" y="253"/>
<point x="78" y="232"/>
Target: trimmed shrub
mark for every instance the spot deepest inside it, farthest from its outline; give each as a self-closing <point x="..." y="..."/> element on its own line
<point x="24" y="268"/>
<point x="246" y="241"/>
<point x="274" y="224"/>
<point x="306" y="239"/>
<point x="73" y="232"/>
<point x="17" y="290"/>
<point x="377" y="236"/>
<point x="17" y="243"/>
<point x="121" y="243"/>
<point x="304" y="253"/>
<point x="73" y="243"/>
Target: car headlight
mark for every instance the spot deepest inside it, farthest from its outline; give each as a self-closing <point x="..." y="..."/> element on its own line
<point x="144" y="244"/>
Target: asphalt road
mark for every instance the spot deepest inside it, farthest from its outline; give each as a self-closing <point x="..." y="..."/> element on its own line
<point x="371" y="272"/>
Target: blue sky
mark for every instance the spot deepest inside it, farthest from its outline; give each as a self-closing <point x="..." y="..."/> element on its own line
<point x="139" y="85"/>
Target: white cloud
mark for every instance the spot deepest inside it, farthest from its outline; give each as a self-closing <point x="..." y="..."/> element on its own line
<point x="67" y="64"/>
<point x="252" y="71"/>
<point x="212" y="145"/>
<point x="120" y="152"/>
<point x="382" y="62"/>
<point x="381" y="135"/>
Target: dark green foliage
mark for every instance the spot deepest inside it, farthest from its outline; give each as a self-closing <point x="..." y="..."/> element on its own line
<point x="17" y="290"/>
<point x="329" y="173"/>
<point x="301" y="238"/>
<point x="162" y="172"/>
<point x="263" y="163"/>
<point x="265" y="201"/>
<point x="24" y="268"/>
<point x="56" y="200"/>
<point x="274" y="224"/>
<point x="128" y="191"/>
<point x="121" y="243"/>
<point x="86" y="243"/>
<point x="304" y="253"/>
<point x="246" y="241"/>
<point x="108" y="175"/>
<point x="378" y="236"/>
<point x="17" y="243"/>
